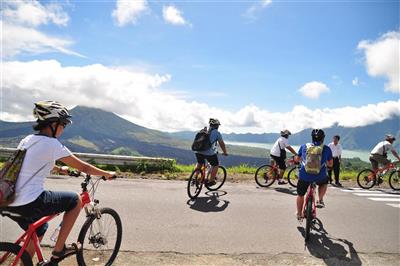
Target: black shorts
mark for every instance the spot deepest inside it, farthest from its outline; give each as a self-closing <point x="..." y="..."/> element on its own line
<point x="48" y="203"/>
<point x="212" y="159"/>
<point x="280" y="161"/>
<point x="302" y="185"/>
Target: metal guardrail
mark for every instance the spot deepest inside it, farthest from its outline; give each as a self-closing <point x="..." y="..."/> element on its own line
<point x="103" y="158"/>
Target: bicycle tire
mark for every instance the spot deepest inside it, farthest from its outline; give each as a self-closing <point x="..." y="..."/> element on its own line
<point x="362" y="179"/>
<point x="394" y="180"/>
<point x="309" y="218"/>
<point x="293" y="176"/>
<point x="14" y="249"/>
<point x="194" y="183"/>
<point x="263" y="175"/>
<point x="99" y="239"/>
<point x="219" y="179"/>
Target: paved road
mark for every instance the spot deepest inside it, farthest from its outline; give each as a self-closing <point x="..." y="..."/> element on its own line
<point x="241" y="218"/>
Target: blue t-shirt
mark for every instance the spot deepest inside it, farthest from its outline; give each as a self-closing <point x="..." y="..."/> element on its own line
<point x="326" y="156"/>
<point x="214" y="137"/>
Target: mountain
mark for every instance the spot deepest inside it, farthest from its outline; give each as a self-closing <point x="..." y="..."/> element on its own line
<point x="97" y="131"/>
<point x="352" y="138"/>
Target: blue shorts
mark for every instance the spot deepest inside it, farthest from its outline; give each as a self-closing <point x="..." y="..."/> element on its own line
<point x="48" y="203"/>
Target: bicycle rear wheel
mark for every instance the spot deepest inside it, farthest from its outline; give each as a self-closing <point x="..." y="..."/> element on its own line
<point x="364" y="179"/>
<point x="100" y="238"/>
<point x="194" y="185"/>
<point x="265" y="175"/>
<point x="309" y="218"/>
<point x="293" y="176"/>
<point x="13" y="250"/>
<point x="394" y="180"/>
<point x="219" y="179"/>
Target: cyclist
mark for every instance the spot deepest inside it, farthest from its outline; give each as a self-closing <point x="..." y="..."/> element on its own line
<point x="32" y="201"/>
<point x="319" y="175"/>
<point x="379" y="152"/>
<point x="278" y="153"/>
<point x="211" y="154"/>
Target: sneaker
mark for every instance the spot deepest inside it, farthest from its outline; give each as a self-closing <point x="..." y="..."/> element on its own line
<point x="299" y="217"/>
<point x="338" y="184"/>
<point x="281" y="182"/>
<point x="320" y="204"/>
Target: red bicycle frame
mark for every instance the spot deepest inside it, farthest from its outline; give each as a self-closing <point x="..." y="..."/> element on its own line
<point x="30" y="234"/>
<point x="310" y="193"/>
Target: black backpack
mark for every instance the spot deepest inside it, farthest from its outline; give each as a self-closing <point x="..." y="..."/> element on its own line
<point x="201" y="141"/>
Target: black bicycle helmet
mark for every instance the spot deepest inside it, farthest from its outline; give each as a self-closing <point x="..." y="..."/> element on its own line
<point x="317" y="135"/>
<point x="214" y="122"/>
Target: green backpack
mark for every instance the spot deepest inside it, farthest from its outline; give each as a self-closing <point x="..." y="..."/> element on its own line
<point x="312" y="163"/>
<point x="9" y="175"/>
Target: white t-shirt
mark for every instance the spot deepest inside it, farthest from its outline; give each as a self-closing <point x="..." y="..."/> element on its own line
<point x="40" y="159"/>
<point x="336" y="149"/>
<point x="280" y="143"/>
<point x="382" y="147"/>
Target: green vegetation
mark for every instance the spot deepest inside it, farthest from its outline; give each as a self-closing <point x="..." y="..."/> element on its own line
<point x="125" y="151"/>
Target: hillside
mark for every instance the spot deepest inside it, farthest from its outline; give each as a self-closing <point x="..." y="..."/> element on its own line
<point x="98" y="131"/>
<point x="356" y="138"/>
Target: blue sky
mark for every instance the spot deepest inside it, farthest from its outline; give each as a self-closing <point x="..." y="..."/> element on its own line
<point x="244" y="62"/>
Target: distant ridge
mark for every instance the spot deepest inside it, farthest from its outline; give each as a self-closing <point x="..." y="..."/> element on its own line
<point x="355" y="138"/>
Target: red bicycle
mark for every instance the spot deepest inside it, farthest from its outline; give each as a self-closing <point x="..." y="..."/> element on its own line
<point x="309" y="209"/>
<point x="368" y="178"/>
<point x="200" y="177"/>
<point x="267" y="174"/>
<point x="100" y="236"/>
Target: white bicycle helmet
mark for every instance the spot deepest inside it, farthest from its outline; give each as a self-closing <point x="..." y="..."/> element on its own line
<point x="51" y="111"/>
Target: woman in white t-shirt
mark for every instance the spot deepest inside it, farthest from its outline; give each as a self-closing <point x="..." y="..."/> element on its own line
<point x="32" y="201"/>
<point x="278" y="153"/>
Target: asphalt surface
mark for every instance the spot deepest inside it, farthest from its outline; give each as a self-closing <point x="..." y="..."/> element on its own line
<point x="241" y="218"/>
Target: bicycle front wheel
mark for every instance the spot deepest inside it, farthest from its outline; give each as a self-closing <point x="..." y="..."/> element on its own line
<point x="366" y="179"/>
<point x="9" y="252"/>
<point x="394" y="180"/>
<point x="100" y="238"/>
<point x="195" y="184"/>
<point x="219" y="179"/>
<point x="293" y="176"/>
<point x="309" y="218"/>
<point x="265" y="175"/>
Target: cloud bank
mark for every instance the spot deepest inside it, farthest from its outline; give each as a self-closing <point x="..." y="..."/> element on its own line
<point x="139" y="97"/>
<point x="382" y="59"/>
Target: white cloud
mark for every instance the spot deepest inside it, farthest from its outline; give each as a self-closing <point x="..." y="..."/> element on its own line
<point x="129" y="11"/>
<point x="19" y="22"/>
<point x="313" y="89"/>
<point x="19" y="39"/>
<point x="382" y="59"/>
<point x="138" y="97"/>
<point x="33" y="13"/>
<point x="255" y="9"/>
<point x="174" y="16"/>
<point x="355" y="81"/>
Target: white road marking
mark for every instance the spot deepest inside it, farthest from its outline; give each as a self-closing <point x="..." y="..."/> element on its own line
<point x="393" y="205"/>
<point x="385" y="199"/>
<point x="377" y="195"/>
